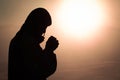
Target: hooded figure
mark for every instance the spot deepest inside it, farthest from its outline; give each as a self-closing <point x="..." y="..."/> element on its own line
<point x="27" y="60"/>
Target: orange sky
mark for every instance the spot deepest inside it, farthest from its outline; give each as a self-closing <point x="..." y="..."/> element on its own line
<point x="94" y="56"/>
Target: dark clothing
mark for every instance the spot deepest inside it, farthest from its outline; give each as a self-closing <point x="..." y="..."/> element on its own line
<point x="27" y="60"/>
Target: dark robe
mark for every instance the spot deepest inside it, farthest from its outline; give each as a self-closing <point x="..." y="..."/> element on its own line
<point x="27" y="60"/>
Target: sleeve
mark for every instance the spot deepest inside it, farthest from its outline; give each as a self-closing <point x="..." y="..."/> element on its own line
<point x="49" y="63"/>
<point x="40" y="63"/>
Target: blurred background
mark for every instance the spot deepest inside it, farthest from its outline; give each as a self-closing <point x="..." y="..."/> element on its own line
<point x="88" y="32"/>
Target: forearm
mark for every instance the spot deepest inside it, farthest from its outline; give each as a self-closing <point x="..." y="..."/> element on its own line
<point x="50" y="64"/>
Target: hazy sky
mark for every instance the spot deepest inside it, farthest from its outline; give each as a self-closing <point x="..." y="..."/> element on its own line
<point x="79" y="57"/>
<point x="16" y="10"/>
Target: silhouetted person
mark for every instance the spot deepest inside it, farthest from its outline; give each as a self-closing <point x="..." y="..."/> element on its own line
<point x="27" y="60"/>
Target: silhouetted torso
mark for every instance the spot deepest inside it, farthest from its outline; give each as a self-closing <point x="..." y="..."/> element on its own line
<point x="27" y="60"/>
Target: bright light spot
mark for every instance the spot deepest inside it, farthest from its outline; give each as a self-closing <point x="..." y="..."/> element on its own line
<point x="81" y="18"/>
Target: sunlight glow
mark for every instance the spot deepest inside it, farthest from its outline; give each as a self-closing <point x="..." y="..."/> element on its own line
<point x="81" y="18"/>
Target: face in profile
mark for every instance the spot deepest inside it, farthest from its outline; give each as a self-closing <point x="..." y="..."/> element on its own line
<point x="38" y="21"/>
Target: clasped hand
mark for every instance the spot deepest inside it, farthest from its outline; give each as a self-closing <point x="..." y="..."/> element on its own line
<point x="51" y="44"/>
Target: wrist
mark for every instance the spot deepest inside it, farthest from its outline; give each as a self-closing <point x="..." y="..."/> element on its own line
<point x="48" y="50"/>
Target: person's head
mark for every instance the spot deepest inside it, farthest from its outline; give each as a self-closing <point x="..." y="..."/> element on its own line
<point x="37" y="21"/>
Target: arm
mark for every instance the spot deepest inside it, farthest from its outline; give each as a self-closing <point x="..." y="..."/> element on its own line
<point x="49" y="56"/>
<point x="49" y="64"/>
<point x="43" y="63"/>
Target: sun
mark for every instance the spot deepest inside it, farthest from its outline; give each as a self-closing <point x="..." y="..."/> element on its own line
<point x="81" y="18"/>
